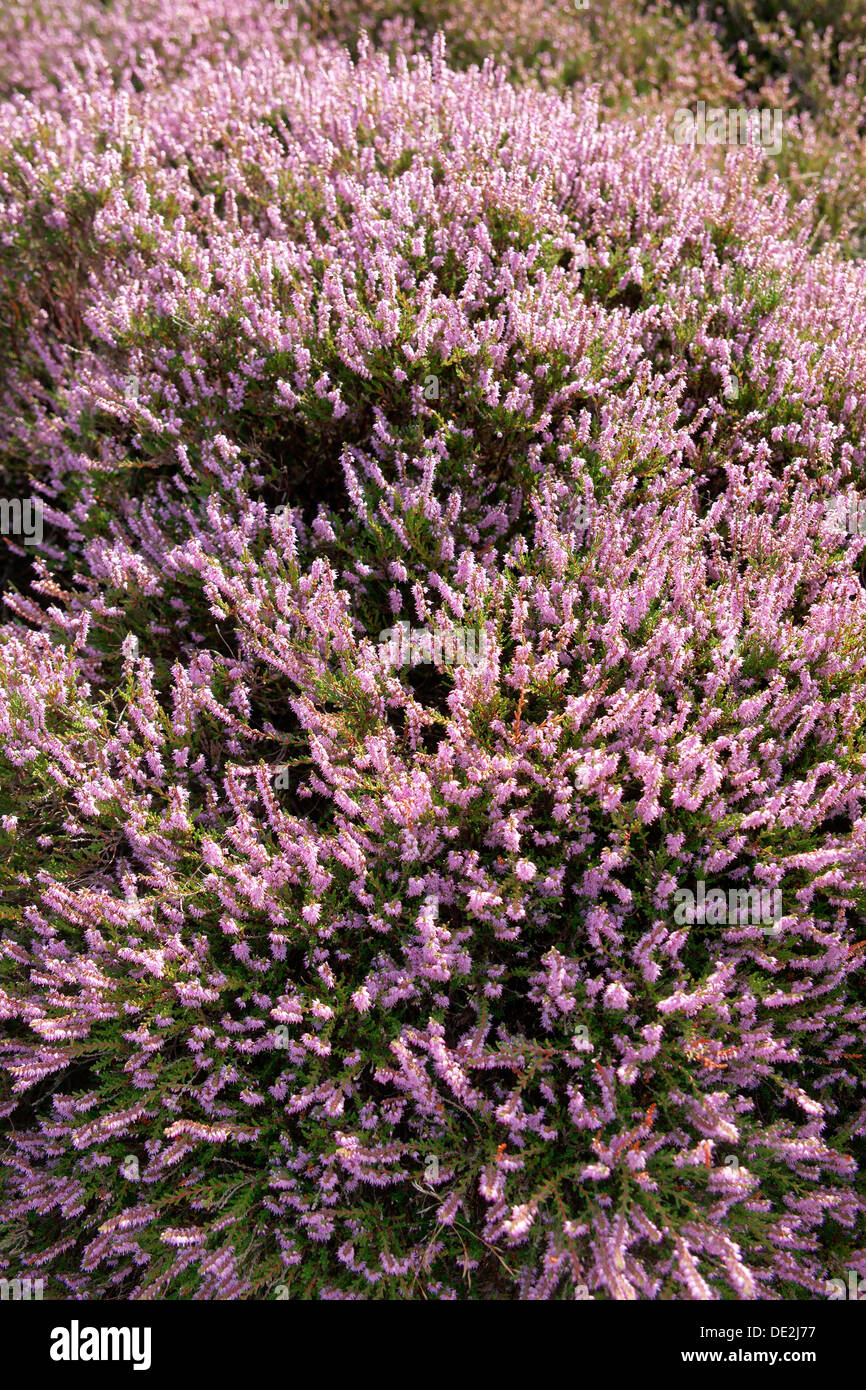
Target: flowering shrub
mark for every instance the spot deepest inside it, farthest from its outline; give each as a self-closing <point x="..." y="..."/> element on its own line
<point x="326" y="976"/>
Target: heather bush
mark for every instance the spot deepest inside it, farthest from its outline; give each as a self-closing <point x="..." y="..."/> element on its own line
<point x="803" y="59"/>
<point x="322" y="976"/>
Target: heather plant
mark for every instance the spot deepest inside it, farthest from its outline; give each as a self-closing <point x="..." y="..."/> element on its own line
<point x="804" y="57"/>
<point x="327" y="976"/>
<point x="640" y="58"/>
<point x="809" y="58"/>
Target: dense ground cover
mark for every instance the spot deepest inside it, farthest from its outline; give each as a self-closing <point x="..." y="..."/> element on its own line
<point x="327" y="977"/>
